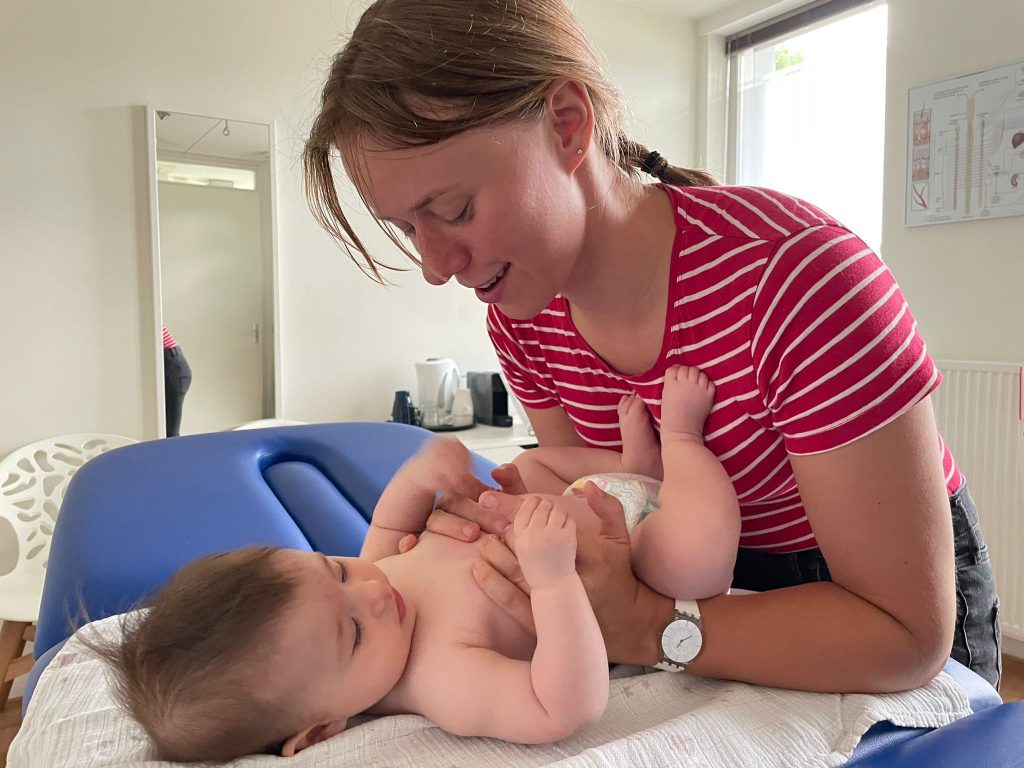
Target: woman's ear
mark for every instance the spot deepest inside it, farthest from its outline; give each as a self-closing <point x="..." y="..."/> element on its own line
<point x="570" y="114"/>
<point x="310" y="736"/>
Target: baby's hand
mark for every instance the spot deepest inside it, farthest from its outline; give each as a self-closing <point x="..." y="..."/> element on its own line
<point x="444" y="465"/>
<point x="545" y="542"/>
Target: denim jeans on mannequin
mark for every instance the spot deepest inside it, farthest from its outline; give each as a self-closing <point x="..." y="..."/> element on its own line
<point x="177" y="380"/>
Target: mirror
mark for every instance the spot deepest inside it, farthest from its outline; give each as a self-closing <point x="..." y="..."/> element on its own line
<point x="214" y="268"/>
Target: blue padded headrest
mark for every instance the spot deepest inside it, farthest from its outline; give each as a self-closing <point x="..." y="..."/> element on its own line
<point x="133" y="516"/>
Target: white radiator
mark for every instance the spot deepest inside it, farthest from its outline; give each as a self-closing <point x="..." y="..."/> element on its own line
<point x="979" y="413"/>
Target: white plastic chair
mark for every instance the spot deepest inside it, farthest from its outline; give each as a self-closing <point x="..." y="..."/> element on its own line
<point x="33" y="480"/>
<point x="268" y="423"/>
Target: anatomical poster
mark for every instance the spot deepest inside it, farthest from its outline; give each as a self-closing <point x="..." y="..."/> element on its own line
<point x="966" y="148"/>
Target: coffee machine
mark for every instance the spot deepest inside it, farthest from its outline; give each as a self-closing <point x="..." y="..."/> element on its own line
<point x="490" y="398"/>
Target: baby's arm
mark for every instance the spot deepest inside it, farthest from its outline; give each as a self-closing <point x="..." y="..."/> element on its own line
<point x="565" y="685"/>
<point x="551" y="470"/>
<point x="408" y="499"/>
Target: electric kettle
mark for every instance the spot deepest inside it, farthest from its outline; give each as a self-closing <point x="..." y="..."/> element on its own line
<point x="437" y="381"/>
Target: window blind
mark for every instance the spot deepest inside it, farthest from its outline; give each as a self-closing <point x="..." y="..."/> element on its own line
<point x="798" y="18"/>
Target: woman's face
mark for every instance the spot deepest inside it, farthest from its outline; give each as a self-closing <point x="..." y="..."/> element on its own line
<point x="497" y="209"/>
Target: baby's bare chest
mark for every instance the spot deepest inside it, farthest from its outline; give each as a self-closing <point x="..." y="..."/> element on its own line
<point x="436" y="577"/>
<point x="452" y="615"/>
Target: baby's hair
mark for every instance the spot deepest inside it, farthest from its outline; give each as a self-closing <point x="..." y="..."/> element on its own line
<point x="185" y="668"/>
<point x="417" y="72"/>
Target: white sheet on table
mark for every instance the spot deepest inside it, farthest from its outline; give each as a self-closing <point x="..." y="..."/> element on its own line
<point x="657" y="719"/>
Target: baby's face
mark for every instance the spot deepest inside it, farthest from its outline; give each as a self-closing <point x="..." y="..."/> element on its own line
<point x="345" y="640"/>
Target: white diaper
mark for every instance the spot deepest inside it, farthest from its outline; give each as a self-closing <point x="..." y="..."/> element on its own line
<point x="637" y="493"/>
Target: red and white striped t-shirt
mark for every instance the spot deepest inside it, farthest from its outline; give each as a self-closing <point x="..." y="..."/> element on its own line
<point x="803" y="330"/>
<point x="169" y="341"/>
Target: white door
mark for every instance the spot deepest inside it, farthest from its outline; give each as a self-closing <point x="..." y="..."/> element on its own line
<point x="212" y="291"/>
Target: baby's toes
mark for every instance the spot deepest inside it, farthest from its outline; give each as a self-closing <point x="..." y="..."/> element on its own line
<point x="632" y="409"/>
<point x="627" y="409"/>
<point x="623" y="407"/>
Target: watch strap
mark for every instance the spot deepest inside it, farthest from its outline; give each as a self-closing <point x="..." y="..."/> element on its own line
<point x="687" y="608"/>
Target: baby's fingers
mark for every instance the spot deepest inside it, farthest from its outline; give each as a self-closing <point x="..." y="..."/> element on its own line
<point x="542" y="513"/>
<point x="525" y="514"/>
<point x="558" y="517"/>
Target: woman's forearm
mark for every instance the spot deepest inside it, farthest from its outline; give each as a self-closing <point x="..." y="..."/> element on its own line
<point x="813" y="637"/>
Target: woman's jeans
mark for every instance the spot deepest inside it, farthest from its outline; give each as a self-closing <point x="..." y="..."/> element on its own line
<point x="976" y="639"/>
<point x="177" y="379"/>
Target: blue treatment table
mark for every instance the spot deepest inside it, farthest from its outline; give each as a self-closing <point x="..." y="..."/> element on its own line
<point x="135" y="515"/>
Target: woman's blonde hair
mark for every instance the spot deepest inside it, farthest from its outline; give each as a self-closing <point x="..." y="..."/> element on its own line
<point x="417" y="72"/>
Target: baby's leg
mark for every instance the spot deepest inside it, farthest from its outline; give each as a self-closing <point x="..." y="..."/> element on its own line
<point x="640" y="452"/>
<point x="687" y="548"/>
<point x="552" y="470"/>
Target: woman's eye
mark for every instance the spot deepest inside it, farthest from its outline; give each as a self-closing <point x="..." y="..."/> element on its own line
<point x="465" y="214"/>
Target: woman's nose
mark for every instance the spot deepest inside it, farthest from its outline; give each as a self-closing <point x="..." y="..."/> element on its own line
<point x="442" y="256"/>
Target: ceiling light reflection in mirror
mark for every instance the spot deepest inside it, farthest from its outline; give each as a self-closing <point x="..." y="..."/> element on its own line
<point x="205" y="175"/>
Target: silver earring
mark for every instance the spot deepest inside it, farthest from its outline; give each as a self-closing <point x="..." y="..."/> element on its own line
<point x="579" y="151"/>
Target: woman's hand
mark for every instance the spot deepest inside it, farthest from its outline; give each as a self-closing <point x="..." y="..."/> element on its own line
<point x="443" y="464"/>
<point x="629" y="612"/>
<point x="459" y="515"/>
<point x="464" y="516"/>
<point x="408" y="499"/>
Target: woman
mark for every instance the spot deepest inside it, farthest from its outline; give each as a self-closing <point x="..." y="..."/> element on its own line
<point x="486" y="133"/>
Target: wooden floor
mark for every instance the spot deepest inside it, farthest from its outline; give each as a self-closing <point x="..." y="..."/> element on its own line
<point x="10" y="719"/>
<point x="1012" y="690"/>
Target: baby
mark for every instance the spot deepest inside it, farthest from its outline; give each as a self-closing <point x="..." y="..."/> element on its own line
<point x="265" y="649"/>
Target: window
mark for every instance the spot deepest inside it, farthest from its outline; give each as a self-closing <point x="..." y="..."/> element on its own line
<point x="809" y="112"/>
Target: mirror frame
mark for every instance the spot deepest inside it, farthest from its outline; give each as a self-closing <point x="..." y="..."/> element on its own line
<point x="156" y="332"/>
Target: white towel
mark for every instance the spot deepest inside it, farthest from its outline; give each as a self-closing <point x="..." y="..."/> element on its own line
<point x="656" y="719"/>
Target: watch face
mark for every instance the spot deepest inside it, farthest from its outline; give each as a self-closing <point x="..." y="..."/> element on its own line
<point x="681" y="641"/>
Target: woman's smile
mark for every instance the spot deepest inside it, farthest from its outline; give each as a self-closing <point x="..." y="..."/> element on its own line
<point x="490" y="292"/>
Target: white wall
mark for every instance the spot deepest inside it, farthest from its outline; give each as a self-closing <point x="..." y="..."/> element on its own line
<point x="963" y="280"/>
<point x="75" y="298"/>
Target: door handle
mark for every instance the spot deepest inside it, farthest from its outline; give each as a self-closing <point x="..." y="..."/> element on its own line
<point x="255" y="333"/>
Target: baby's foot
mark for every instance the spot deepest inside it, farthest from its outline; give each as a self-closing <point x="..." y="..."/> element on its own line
<point x="686" y="401"/>
<point x="640" y="450"/>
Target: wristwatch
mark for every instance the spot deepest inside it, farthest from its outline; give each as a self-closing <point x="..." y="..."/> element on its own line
<point x="681" y="639"/>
